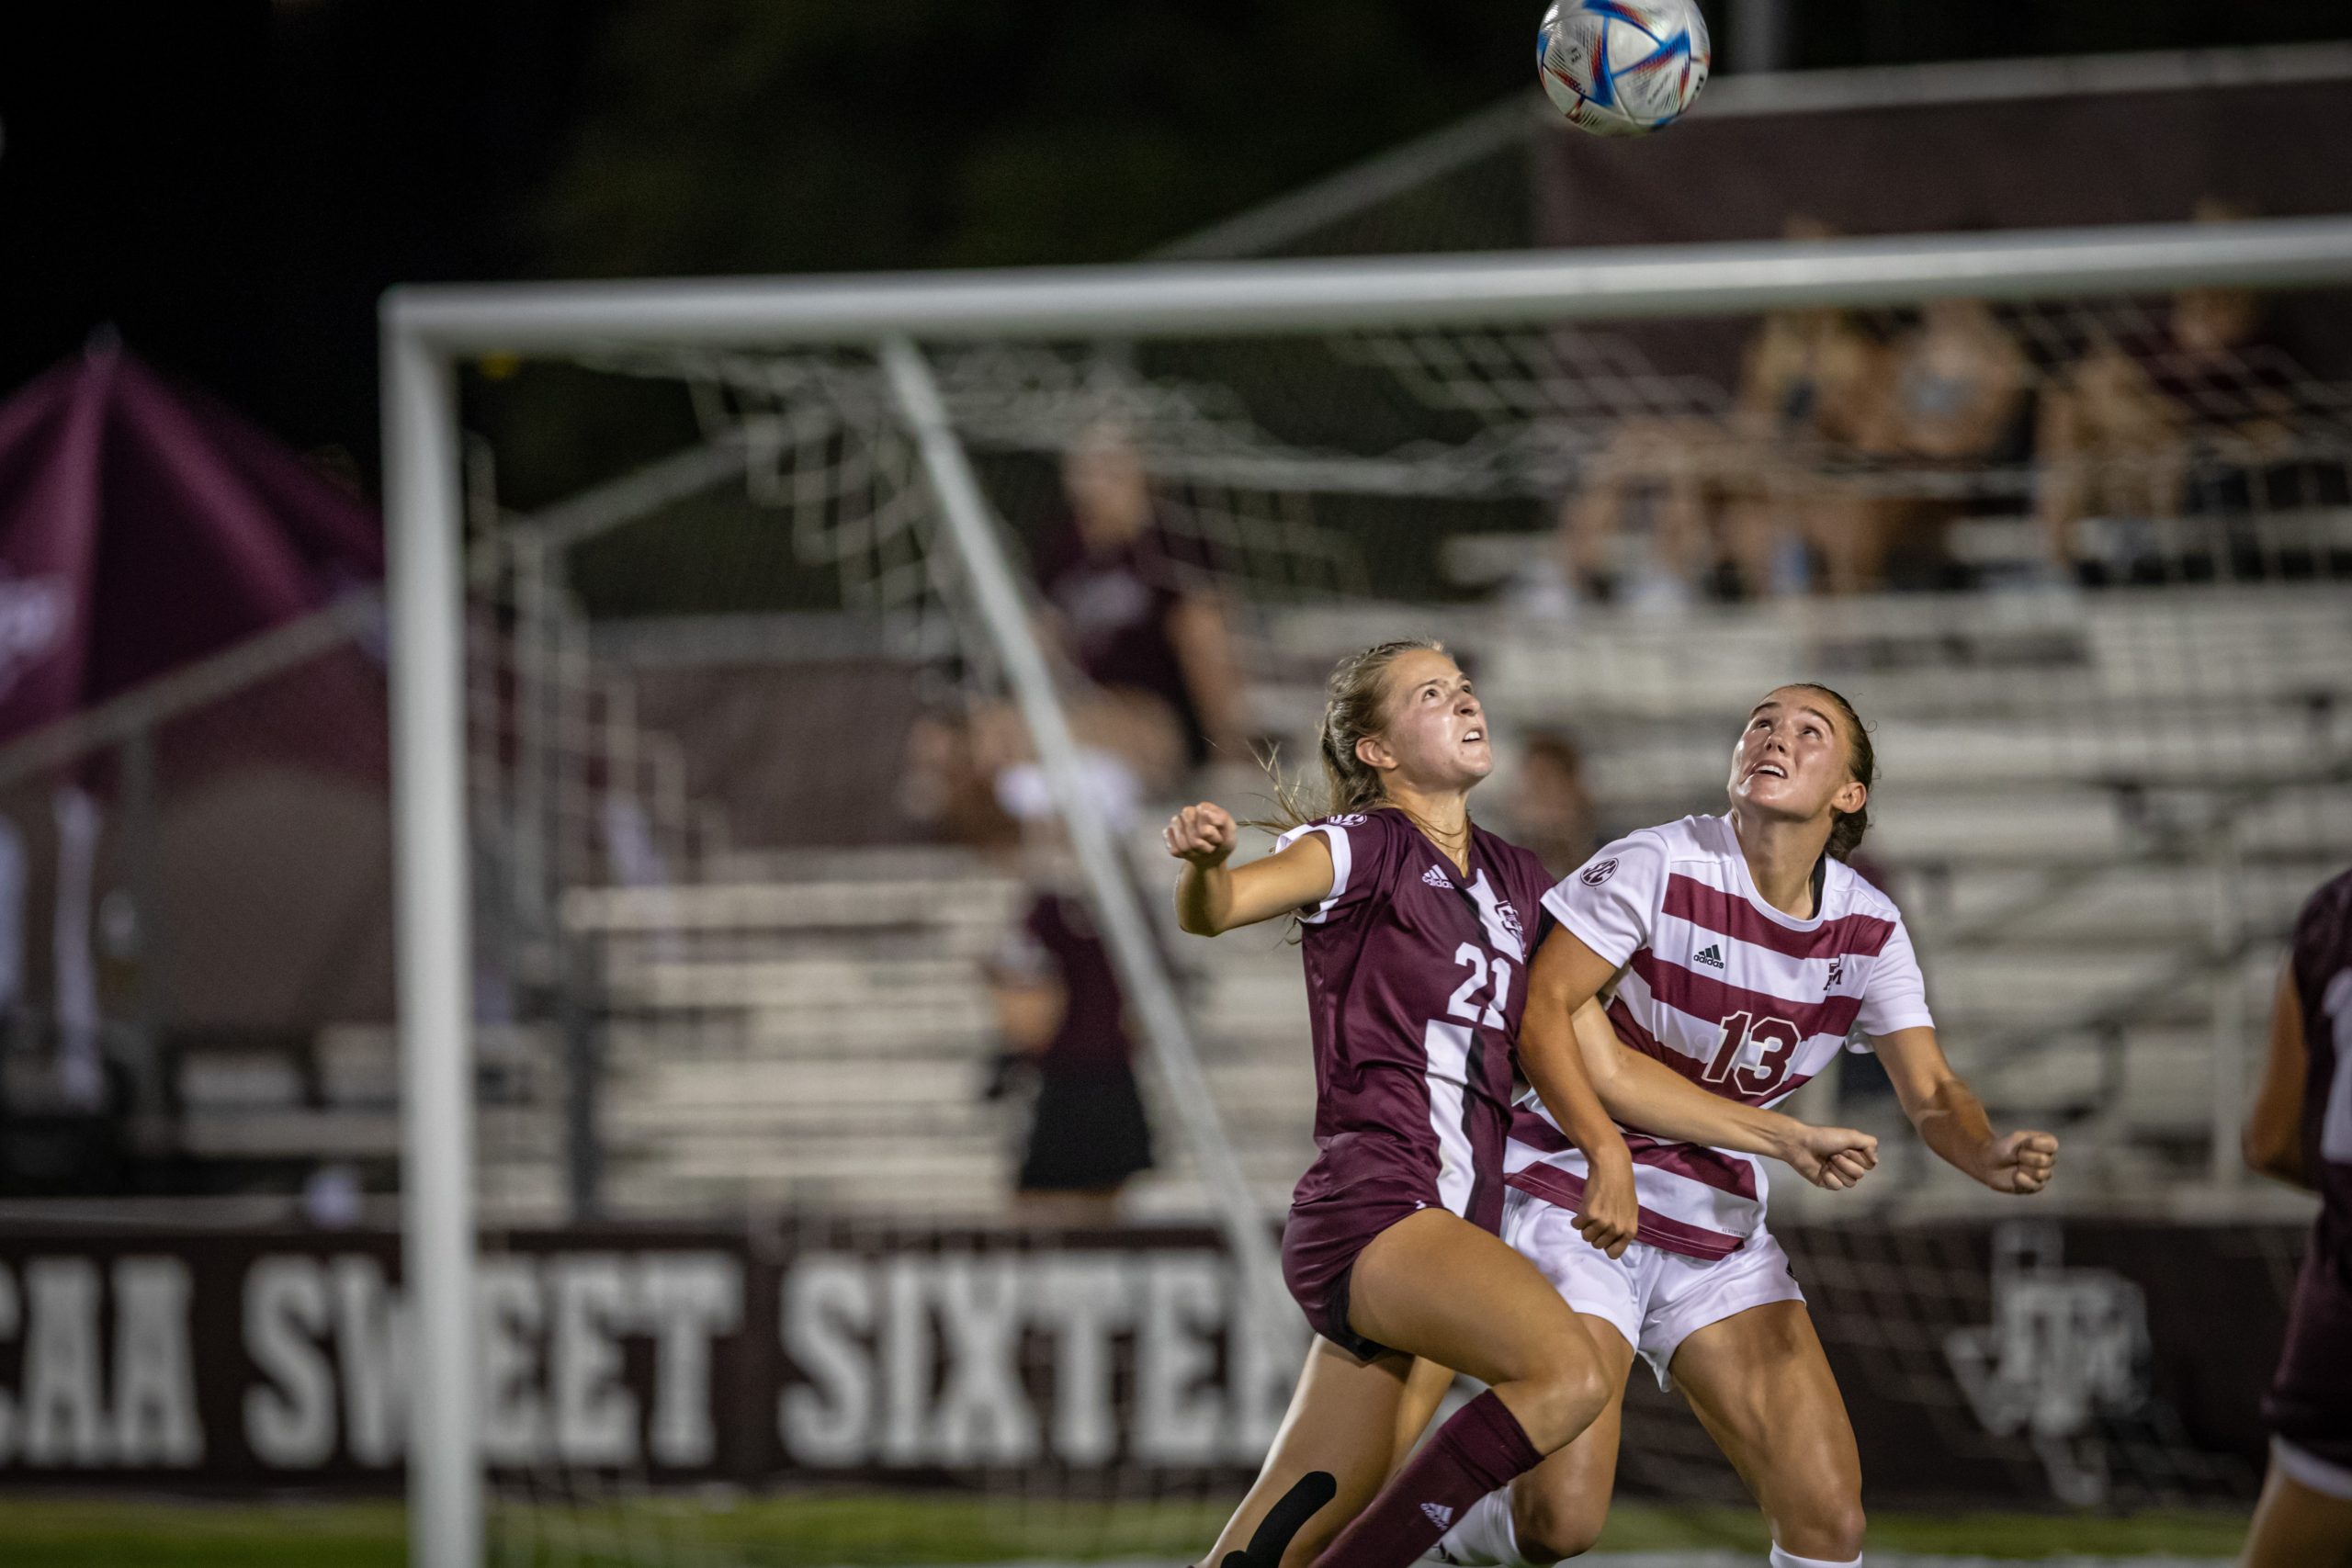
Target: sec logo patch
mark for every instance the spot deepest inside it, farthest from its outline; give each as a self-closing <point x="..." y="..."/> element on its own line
<point x="1598" y="871"/>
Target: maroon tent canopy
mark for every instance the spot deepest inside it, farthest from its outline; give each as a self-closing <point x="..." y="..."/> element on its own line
<point x="143" y="525"/>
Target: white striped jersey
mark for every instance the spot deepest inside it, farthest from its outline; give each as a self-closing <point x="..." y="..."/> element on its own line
<point x="1737" y="997"/>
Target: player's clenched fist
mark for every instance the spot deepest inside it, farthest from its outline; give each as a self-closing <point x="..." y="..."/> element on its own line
<point x="1834" y="1157"/>
<point x="2021" y="1163"/>
<point x="1611" y="1211"/>
<point x="1204" y="834"/>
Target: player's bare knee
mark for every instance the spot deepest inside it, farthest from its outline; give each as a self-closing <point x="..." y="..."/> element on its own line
<point x="1587" y="1389"/>
<point x="1551" y="1523"/>
<point x="1827" y="1527"/>
<point x="1554" y="1404"/>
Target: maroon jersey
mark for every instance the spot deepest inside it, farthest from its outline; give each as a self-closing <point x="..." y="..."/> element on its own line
<point x="1057" y="939"/>
<point x="2311" y="1404"/>
<point x="1116" y="601"/>
<point x="1415" y="978"/>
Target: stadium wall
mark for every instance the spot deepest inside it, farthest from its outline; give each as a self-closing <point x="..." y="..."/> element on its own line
<point x="2026" y="1363"/>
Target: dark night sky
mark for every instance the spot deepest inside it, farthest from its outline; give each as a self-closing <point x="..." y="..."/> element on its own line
<point x="233" y="182"/>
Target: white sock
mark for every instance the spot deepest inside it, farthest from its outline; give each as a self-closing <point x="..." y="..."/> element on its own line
<point x="1791" y="1560"/>
<point x="1484" y="1537"/>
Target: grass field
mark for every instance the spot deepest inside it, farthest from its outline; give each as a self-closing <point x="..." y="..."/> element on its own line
<point x="826" y="1531"/>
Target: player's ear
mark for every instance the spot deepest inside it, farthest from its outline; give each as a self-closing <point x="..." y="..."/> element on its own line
<point x="1373" y="752"/>
<point x="1851" y="797"/>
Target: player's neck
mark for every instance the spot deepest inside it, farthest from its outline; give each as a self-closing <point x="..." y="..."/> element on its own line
<point x="1780" y="859"/>
<point x="1442" y="815"/>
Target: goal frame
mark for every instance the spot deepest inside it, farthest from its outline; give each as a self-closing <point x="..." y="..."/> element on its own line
<point x="427" y="330"/>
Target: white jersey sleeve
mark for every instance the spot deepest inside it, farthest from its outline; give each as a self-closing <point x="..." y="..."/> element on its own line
<point x="1896" y="997"/>
<point x="1611" y="903"/>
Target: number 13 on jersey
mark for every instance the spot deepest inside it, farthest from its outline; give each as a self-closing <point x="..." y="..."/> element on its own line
<point x="1775" y="1040"/>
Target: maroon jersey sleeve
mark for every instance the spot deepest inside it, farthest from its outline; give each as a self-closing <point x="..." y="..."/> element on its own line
<point x="1364" y="848"/>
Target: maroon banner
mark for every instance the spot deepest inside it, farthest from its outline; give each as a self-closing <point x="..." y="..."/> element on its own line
<point x="2021" y="1364"/>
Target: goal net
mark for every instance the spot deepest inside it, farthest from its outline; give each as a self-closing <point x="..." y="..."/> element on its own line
<point x="779" y="855"/>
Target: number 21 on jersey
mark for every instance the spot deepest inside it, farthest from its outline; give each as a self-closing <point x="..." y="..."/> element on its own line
<point x="1463" y="1003"/>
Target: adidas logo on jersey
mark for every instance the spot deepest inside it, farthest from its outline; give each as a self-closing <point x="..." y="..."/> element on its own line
<point x="1712" y="955"/>
<point x="1439" y="1514"/>
<point x="1435" y="878"/>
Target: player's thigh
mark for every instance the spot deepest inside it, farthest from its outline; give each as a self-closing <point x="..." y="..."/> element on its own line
<point x="1761" y="1384"/>
<point x="1435" y="1285"/>
<point x="1559" y="1507"/>
<point x="1341" y="1421"/>
<point x="2297" y="1527"/>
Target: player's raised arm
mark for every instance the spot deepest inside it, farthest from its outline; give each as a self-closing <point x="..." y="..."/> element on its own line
<point x="1652" y="1096"/>
<point x="1213" y="897"/>
<point x="2273" y="1140"/>
<point x="1951" y="1121"/>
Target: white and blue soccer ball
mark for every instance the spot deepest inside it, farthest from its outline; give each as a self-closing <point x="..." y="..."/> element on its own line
<point x="1623" y="67"/>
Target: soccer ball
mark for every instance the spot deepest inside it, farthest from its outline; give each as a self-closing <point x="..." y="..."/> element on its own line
<point x="1623" y="67"/>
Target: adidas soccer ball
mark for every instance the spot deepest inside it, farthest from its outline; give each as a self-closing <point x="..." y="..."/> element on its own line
<point x="1623" y="67"/>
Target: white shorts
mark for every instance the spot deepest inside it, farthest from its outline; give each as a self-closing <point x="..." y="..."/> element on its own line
<point x="1657" y="1300"/>
<point x="2311" y="1472"/>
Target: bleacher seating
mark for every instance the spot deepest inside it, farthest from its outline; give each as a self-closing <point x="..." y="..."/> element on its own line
<point x="2099" y="813"/>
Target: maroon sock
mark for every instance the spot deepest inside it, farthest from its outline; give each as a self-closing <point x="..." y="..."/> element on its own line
<point x="1481" y="1448"/>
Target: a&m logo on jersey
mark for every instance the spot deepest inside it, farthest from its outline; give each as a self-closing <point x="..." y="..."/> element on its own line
<point x="1435" y="878"/>
<point x="1598" y="871"/>
<point x="1508" y="915"/>
<point x="1837" y="973"/>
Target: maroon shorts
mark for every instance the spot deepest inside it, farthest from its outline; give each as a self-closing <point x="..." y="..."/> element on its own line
<point x="2309" y="1403"/>
<point x="1324" y="1234"/>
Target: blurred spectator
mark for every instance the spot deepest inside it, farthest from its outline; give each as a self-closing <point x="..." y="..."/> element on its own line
<point x="1656" y="472"/>
<point x="2105" y="445"/>
<point x="1062" y="1017"/>
<point x="2120" y="430"/>
<point x="974" y="779"/>
<point x="1955" y="399"/>
<point x="1130" y="609"/>
<point x="1957" y="380"/>
<point x="1810" y="384"/>
<point x="1060" y="1010"/>
<point x="1549" y="807"/>
<point x="1743" y="491"/>
<point x="949" y="781"/>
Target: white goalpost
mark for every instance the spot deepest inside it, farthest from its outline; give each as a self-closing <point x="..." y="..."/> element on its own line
<point x="426" y="332"/>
